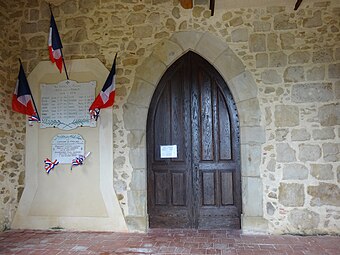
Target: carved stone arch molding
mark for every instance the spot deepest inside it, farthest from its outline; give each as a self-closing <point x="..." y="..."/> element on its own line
<point x="244" y="91"/>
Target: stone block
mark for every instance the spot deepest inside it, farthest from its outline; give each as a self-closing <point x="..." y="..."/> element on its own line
<point x="252" y="135"/>
<point x="261" y="60"/>
<point x="312" y="92"/>
<point x="167" y="51"/>
<point x="144" y="31"/>
<point x="304" y="220"/>
<point x="138" y="158"/>
<point x="257" y="43"/>
<point x="334" y="71"/>
<point x="237" y="21"/>
<point x="282" y="22"/>
<point x="136" y="139"/>
<point x="300" y="135"/>
<point x="136" y="18"/>
<point x="291" y="194"/>
<point x="243" y="87"/>
<point x="281" y="134"/>
<point x="294" y="74"/>
<point x="187" y="40"/>
<point x="251" y="160"/>
<point x="324" y="194"/>
<point x="337" y="89"/>
<point x="285" y="153"/>
<point x="286" y="116"/>
<point x="287" y="41"/>
<point x="254" y="224"/>
<point x="252" y="190"/>
<point x="316" y="73"/>
<point x="141" y="93"/>
<point x="270" y="209"/>
<point x="309" y="152"/>
<point x="211" y="47"/>
<point x="240" y="35"/>
<point x="337" y="54"/>
<point x="139" y="224"/>
<point x="249" y="112"/>
<point x="329" y="115"/>
<point x="151" y="70"/>
<point x="138" y="180"/>
<point x="272" y="42"/>
<point x="229" y="64"/>
<point x="323" y="134"/>
<point x="322" y="171"/>
<point x="299" y="57"/>
<point x="331" y="152"/>
<point x="314" y="21"/>
<point x="137" y="203"/>
<point x="324" y="55"/>
<point x="261" y="26"/>
<point x="294" y="172"/>
<point x="277" y="59"/>
<point x="271" y="77"/>
<point x="338" y="174"/>
<point x="134" y="117"/>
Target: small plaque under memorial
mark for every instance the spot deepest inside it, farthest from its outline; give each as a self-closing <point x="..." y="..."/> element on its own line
<point x="66" y="105"/>
<point x="66" y="147"/>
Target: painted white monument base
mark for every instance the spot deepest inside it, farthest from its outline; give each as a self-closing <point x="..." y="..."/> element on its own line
<point x="81" y="199"/>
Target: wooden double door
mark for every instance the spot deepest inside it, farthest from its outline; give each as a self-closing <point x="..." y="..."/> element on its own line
<point x="193" y="113"/>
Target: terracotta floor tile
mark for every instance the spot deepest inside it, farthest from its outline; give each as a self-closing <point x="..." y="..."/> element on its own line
<point x="163" y="241"/>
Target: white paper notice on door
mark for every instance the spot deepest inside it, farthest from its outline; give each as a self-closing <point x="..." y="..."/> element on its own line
<point x="168" y="151"/>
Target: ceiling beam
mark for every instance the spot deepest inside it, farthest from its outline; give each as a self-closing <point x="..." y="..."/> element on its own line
<point x="297" y="5"/>
<point x="186" y="4"/>
<point x="212" y="7"/>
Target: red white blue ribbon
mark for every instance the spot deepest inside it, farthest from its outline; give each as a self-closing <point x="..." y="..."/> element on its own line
<point x="79" y="160"/>
<point x="95" y="114"/>
<point x="49" y="165"/>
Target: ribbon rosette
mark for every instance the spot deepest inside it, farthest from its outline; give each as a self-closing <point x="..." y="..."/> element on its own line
<point x="79" y="160"/>
<point x="49" y="165"/>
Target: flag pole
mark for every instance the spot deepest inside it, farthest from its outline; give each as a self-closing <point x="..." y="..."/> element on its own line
<point x="61" y="51"/>
<point x="35" y="107"/>
<point x="62" y="57"/>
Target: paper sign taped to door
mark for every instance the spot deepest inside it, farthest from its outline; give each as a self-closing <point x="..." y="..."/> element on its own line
<point x="168" y="151"/>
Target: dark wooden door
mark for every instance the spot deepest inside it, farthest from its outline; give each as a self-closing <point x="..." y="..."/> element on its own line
<point x="193" y="109"/>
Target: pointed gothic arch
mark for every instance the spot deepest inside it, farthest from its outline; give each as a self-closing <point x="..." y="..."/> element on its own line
<point x="244" y="91"/>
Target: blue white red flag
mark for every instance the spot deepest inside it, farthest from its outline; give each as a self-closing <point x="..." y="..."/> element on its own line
<point x="54" y="44"/>
<point x="22" y="99"/>
<point x="106" y="96"/>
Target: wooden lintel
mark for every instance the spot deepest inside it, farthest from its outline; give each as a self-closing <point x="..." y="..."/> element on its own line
<point x="297" y="5"/>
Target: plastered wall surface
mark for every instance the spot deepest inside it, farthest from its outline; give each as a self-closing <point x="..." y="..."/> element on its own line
<point x="290" y="115"/>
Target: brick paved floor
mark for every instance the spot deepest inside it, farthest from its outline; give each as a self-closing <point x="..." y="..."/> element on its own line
<point x="159" y="241"/>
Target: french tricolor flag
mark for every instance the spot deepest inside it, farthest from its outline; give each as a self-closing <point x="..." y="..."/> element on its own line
<point x="54" y="44"/>
<point x="22" y="100"/>
<point x="106" y="96"/>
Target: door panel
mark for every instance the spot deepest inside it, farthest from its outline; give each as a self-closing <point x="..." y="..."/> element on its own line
<point x="200" y="188"/>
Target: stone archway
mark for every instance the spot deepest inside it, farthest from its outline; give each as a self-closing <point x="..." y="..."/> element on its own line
<point x="244" y="91"/>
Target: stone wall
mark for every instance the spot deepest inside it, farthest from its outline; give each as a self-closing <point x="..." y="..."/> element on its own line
<point x="11" y="131"/>
<point x="293" y="56"/>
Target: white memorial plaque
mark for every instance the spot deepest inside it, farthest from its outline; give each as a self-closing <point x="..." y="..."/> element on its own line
<point x="168" y="151"/>
<point x="66" y="147"/>
<point x="66" y="105"/>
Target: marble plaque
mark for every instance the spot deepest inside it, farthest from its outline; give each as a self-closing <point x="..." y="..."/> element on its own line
<point x="66" y="147"/>
<point x="66" y="105"/>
